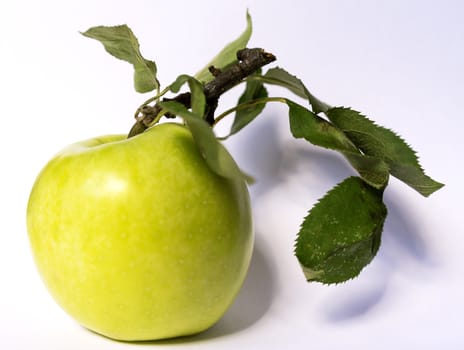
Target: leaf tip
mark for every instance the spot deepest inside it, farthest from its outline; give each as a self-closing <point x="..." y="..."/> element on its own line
<point x="433" y="187"/>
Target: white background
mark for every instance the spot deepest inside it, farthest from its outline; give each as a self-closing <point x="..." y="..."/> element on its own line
<point x="399" y="62"/>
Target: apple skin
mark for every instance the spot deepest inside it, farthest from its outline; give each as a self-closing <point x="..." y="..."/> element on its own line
<point x="137" y="239"/>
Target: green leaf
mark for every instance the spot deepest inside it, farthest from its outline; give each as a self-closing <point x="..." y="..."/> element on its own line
<point x="215" y="154"/>
<point x="228" y="54"/>
<point x="197" y="99"/>
<point x="372" y="170"/>
<point x="342" y="232"/>
<point x="306" y="124"/>
<point x="253" y="90"/>
<point x="121" y="42"/>
<point x="382" y="143"/>
<point x="279" y="76"/>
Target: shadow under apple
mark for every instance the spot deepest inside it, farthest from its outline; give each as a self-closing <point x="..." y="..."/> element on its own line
<point x="252" y="302"/>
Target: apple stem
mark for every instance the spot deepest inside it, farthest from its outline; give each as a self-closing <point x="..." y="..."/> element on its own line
<point x="249" y="61"/>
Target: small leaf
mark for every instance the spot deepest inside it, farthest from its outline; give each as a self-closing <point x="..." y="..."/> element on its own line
<point x="306" y="124"/>
<point x="342" y="232"/>
<point x="253" y="90"/>
<point x="228" y="54"/>
<point x="382" y="143"/>
<point x="279" y="76"/>
<point x="121" y="42"/>
<point x="197" y="99"/>
<point x="215" y="154"/>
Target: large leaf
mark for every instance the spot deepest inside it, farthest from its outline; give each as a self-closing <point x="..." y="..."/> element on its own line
<point x="342" y="232"/>
<point x="215" y="154"/>
<point x="279" y="76"/>
<point x="384" y="144"/>
<point x="253" y="90"/>
<point x="306" y="124"/>
<point x="228" y="54"/>
<point x="121" y="42"/>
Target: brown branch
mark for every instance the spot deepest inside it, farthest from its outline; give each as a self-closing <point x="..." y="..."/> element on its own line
<point x="249" y="61"/>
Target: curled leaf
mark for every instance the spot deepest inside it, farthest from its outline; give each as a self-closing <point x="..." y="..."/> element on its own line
<point x="342" y="232"/>
<point x="121" y="42"/>
<point x="197" y="99"/>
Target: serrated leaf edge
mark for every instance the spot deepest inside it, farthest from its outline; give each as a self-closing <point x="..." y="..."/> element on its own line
<point x="389" y="160"/>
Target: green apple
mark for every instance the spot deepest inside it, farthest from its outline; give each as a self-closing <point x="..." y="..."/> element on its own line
<point x="137" y="239"/>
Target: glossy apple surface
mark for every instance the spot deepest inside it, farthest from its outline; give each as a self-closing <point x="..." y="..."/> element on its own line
<point x="137" y="239"/>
